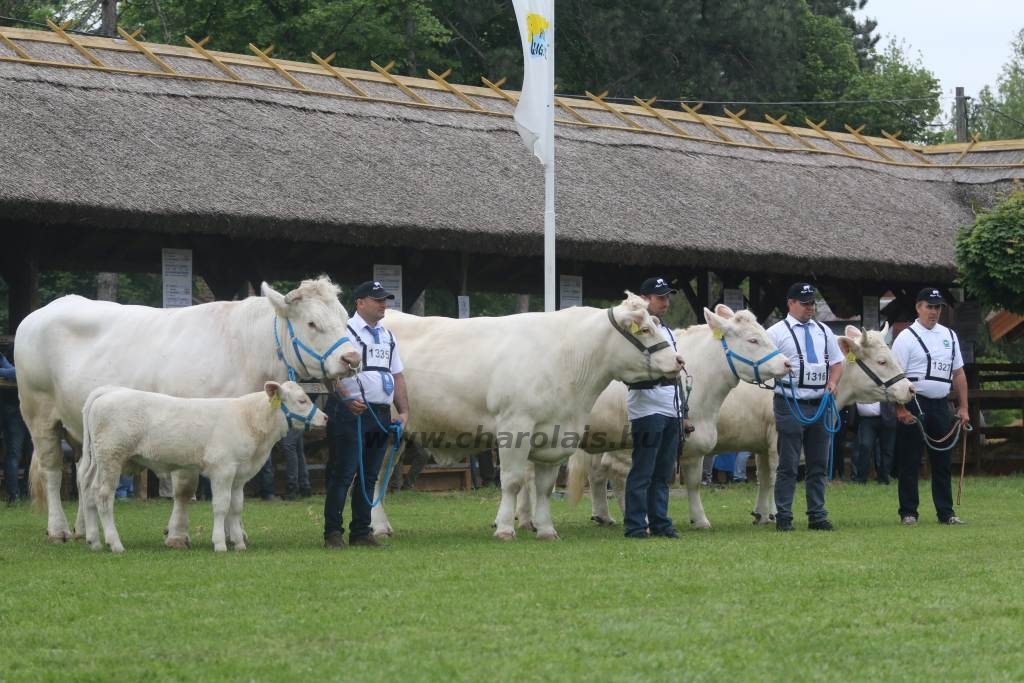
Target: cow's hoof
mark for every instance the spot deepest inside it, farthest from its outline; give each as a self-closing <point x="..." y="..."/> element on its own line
<point x="603" y="521"/>
<point x="96" y="545"/>
<point x="178" y="542"/>
<point x="760" y="519"/>
<point x="59" y="537"/>
<point x="505" y="535"/>
<point x="551" y="535"/>
<point x="701" y="524"/>
<point x="220" y="548"/>
<point x="117" y="549"/>
<point x="78" y="535"/>
<point x="385" y="531"/>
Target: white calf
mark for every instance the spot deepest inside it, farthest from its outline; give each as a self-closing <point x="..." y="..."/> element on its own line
<point x="225" y="439"/>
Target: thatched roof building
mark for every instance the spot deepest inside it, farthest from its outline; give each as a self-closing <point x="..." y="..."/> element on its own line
<point x="146" y="139"/>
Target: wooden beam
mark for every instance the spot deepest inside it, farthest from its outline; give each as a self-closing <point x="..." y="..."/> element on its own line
<point x="572" y="112"/>
<point x="93" y="59"/>
<point x="599" y="99"/>
<point x="198" y="47"/>
<point x="831" y="138"/>
<point x="894" y="137"/>
<point x="779" y="123"/>
<point x="265" y="56"/>
<point x="440" y="80"/>
<point x="325" y="62"/>
<point x="385" y="71"/>
<point x="692" y="111"/>
<point x="496" y="87"/>
<point x="130" y="39"/>
<point x="648" y="107"/>
<point x="967" y="149"/>
<point x="14" y="47"/>
<point x="737" y="117"/>
<point x="856" y="132"/>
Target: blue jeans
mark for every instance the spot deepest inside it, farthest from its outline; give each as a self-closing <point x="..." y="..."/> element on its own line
<point x="346" y="433"/>
<point x="871" y="430"/>
<point x="655" y="451"/>
<point x="15" y="436"/>
<point x="814" y="440"/>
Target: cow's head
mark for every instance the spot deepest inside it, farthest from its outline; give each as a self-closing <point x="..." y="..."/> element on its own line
<point x="748" y="349"/>
<point x="298" y="408"/>
<point x="867" y="354"/>
<point x="631" y="364"/>
<point x="319" y="322"/>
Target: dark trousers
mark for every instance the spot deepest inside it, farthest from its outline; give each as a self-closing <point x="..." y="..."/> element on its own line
<point x="655" y="451"/>
<point x="15" y="438"/>
<point x="937" y="421"/>
<point x="813" y="440"/>
<point x="346" y="433"/>
<point x="872" y="431"/>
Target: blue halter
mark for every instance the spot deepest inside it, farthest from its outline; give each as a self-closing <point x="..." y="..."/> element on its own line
<point x="730" y="355"/>
<point x="298" y="345"/>
<point x="306" y="420"/>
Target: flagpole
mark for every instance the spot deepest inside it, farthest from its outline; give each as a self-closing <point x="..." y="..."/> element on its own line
<point x="550" y="301"/>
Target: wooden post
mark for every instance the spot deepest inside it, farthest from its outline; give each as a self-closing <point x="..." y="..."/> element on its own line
<point x="961" y="115"/>
<point x="522" y="303"/>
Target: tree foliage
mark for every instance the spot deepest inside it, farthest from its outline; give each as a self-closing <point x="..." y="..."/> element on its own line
<point x="990" y="255"/>
<point x="999" y="115"/>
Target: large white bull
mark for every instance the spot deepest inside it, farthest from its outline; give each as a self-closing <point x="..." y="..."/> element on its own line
<point x="525" y="383"/>
<point x="731" y="347"/>
<point x="222" y="349"/>
<point x="746" y="421"/>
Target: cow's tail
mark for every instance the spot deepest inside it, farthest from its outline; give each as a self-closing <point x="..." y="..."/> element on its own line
<point x="37" y="488"/>
<point x="576" y="478"/>
<point x="87" y="465"/>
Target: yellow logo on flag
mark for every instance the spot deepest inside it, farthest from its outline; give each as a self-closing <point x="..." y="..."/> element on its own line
<point x="535" y="25"/>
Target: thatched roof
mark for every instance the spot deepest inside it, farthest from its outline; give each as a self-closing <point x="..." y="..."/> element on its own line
<point x="176" y="143"/>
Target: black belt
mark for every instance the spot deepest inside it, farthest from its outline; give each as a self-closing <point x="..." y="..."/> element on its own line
<point x="651" y="383"/>
<point x="809" y="401"/>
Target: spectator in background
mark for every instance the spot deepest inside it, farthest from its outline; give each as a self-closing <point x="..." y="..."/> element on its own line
<point x="15" y="434"/>
<point x="876" y="439"/>
<point x="296" y="474"/>
<point x="739" y="472"/>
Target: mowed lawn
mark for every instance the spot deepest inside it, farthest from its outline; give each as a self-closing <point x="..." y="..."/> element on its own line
<point x="872" y="601"/>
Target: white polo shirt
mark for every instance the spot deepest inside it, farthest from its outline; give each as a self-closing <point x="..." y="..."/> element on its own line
<point x="808" y="379"/>
<point x="656" y="400"/>
<point x="929" y="358"/>
<point x="869" y="409"/>
<point x="377" y="352"/>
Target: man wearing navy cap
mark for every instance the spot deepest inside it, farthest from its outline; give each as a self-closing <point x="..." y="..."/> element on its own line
<point x="816" y="370"/>
<point x="361" y="406"/>
<point x="655" y="415"/>
<point x="930" y="354"/>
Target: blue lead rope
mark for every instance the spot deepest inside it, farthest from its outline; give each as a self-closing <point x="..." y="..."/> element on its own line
<point x="396" y="428"/>
<point x="827" y="411"/>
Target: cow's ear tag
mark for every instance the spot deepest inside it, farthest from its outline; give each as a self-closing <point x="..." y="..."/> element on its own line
<point x="276" y="401"/>
<point x="850" y="358"/>
<point x="634" y="328"/>
<point x="717" y="333"/>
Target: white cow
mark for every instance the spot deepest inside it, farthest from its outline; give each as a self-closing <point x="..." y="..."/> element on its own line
<point x="731" y="347"/>
<point x="747" y="419"/>
<point x="224" y="439"/>
<point x="525" y="383"/>
<point x="73" y="345"/>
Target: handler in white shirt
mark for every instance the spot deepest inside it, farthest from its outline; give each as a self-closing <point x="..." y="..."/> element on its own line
<point x="817" y="367"/>
<point x="930" y="354"/>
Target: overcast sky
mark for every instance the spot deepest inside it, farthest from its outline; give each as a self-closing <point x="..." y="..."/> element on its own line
<point x="962" y="42"/>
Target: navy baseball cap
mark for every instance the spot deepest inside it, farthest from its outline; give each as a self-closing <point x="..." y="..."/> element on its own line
<point x="656" y="285"/>
<point x="931" y="295"/>
<point x="371" y="289"/>
<point x="804" y="292"/>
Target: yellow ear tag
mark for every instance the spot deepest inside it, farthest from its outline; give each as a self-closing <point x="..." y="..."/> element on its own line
<point x="276" y="401"/>
<point x="634" y="328"/>
<point x="850" y="358"/>
<point x="717" y="334"/>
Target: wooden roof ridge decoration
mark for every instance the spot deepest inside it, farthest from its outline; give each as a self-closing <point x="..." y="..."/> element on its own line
<point x="731" y="130"/>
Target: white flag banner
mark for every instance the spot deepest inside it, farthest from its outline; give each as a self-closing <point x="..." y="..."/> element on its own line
<point x="536" y="108"/>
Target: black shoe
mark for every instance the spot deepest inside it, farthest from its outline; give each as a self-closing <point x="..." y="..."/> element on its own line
<point x="638" y="535"/>
<point x="670" y="532"/>
<point x="334" y="540"/>
<point x="823" y="525"/>
<point x="369" y="541"/>
<point x="782" y="525"/>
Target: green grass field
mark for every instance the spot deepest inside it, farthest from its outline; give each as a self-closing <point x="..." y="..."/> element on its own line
<point x="872" y="601"/>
